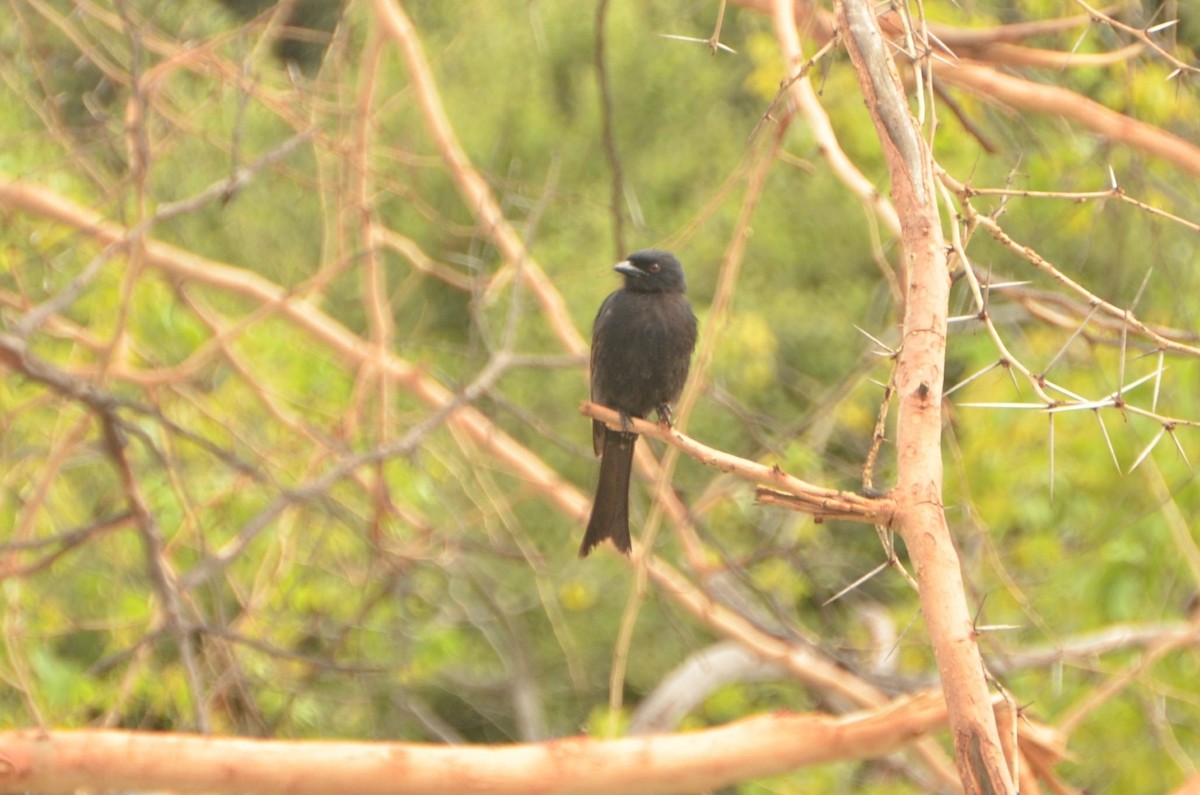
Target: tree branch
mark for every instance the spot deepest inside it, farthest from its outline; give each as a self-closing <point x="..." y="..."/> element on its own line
<point x="691" y="761"/>
<point x="920" y="518"/>
<point x="796" y="494"/>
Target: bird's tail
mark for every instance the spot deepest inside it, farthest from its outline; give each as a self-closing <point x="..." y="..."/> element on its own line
<point x="610" y="511"/>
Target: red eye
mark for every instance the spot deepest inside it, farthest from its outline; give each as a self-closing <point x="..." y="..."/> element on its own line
<point x="654" y="266"/>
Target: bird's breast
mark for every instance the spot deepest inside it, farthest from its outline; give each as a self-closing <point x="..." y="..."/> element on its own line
<point x="642" y="345"/>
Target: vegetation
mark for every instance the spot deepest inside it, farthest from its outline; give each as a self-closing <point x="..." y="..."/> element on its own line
<point x="291" y="442"/>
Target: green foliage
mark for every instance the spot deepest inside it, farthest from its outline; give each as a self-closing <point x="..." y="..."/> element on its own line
<point x="439" y="581"/>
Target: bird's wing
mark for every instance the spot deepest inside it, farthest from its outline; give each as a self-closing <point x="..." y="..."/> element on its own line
<point x="598" y="428"/>
<point x="604" y="308"/>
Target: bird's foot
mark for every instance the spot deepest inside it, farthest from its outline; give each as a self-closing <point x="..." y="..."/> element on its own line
<point x="626" y="425"/>
<point x="664" y="415"/>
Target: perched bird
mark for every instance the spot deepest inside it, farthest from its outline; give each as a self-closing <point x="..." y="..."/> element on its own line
<point x="642" y="344"/>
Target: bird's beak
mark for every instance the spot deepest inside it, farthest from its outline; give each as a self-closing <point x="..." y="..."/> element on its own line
<point x="628" y="268"/>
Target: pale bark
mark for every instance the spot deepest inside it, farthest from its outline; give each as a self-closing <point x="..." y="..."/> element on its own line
<point x="920" y="518"/>
<point x="688" y="762"/>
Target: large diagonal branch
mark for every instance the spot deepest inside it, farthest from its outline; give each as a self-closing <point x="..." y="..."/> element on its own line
<point x="474" y="189"/>
<point x="805" y="98"/>
<point x="177" y="263"/>
<point x="1013" y="91"/>
<point x="1053" y="100"/>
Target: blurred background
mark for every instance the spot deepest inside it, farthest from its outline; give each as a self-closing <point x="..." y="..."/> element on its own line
<point x="290" y="437"/>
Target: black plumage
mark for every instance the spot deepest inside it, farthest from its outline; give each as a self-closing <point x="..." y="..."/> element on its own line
<point x="642" y="344"/>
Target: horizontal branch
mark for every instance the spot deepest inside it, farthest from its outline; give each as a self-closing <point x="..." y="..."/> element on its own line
<point x="822" y="508"/>
<point x="805" y="497"/>
<point x="755" y="747"/>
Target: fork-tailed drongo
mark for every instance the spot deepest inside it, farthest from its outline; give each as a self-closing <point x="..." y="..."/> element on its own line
<point x="642" y="345"/>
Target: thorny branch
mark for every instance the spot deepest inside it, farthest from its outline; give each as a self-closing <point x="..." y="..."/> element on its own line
<point x="933" y="50"/>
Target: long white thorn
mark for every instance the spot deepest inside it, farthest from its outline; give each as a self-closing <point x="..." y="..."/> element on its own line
<point x="1153" y="443"/>
<point x="1108" y="441"/>
<point x="1051" y="458"/>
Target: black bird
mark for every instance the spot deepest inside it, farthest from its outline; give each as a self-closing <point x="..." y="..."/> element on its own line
<point x="642" y="344"/>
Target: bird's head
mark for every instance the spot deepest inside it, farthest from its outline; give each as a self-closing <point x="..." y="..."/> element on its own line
<point x="652" y="271"/>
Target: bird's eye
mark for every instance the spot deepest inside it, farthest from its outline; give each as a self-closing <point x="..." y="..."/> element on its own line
<point x="654" y="266"/>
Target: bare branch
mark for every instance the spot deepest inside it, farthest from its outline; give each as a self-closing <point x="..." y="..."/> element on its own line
<point x="806" y="497"/>
<point x="691" y="761"/>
